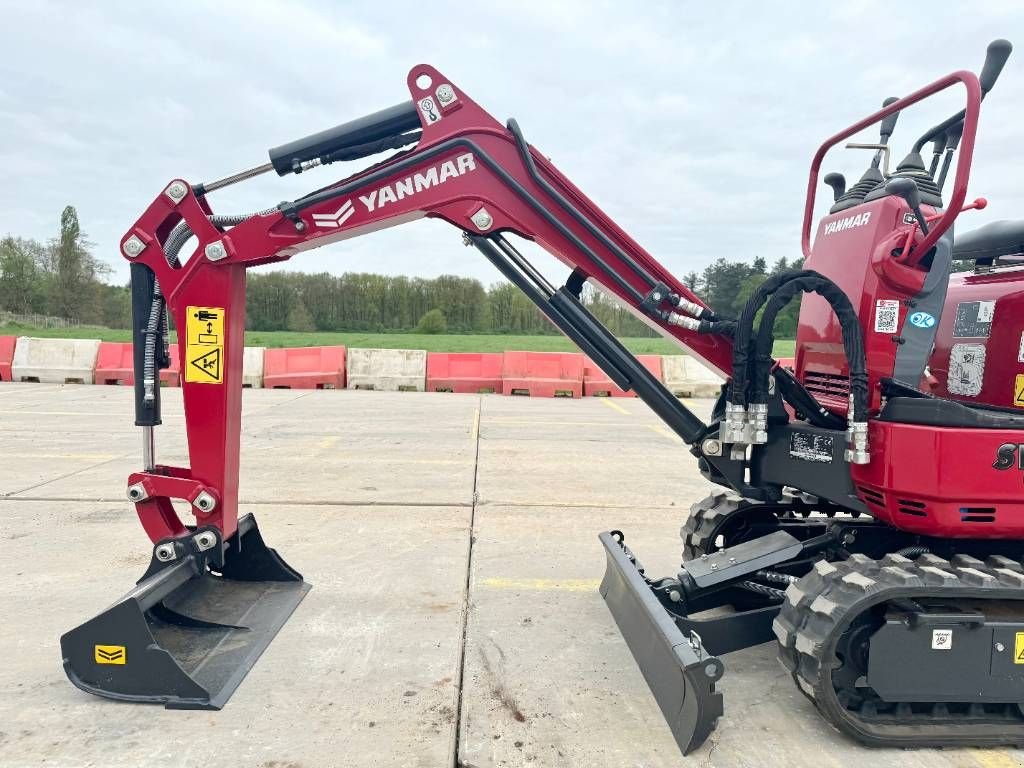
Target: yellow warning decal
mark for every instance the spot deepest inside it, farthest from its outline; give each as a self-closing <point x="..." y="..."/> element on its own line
<point x="204" y="345"/>
<point x="1018" y="393"/>
<point x="1018" y="648"/>
<point x="117" y="654"/>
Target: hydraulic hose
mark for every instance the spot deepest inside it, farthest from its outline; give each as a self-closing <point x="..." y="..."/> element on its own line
<point x="743" y="338"/>
<point x="156" y="325"/>
<point x="853" y="339"/>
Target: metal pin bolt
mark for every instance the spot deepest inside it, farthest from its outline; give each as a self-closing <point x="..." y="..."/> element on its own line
<point x="133" y="246"/>
<point x="176" y="191"/>
<point x="215" y="251"/>
<point x="136" y="492"/>
<point x="711" y="670"/>
<point x="1000" y="647"/>
<point x="204" y="502"/>
<point x="732" y="559"/>
<point x="165" y="553"/>
<point x="712" y="447"/>
<point x="714" y="566"/>
<point x="482" y="219"/>
<point x="674" y="596"/>
<point x="656" y="296"/>
<point x="204" y="540"/>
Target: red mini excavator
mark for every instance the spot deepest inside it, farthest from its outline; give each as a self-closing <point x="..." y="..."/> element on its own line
<point x="871" y="517"/>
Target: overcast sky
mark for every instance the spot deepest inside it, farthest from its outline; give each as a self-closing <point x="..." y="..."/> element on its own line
<point x="691" y="124"/>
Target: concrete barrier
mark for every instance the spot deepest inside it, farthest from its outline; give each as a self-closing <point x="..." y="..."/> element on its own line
<point x="467" y="372"/>
<point x="597" y="384"/>
<point x="684" y="376"/>
<point x="388" y="370"/>
<point x="252" y="367"/>
<point x="7" y="344"/>
<point x="115" y="365"/>
<point x="542" y="374"/>
<point x="55" y="361"/>
<point x="304" y="368"/>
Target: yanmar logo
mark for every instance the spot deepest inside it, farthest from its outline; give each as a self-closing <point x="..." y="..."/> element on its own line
<point x="399" y="190"/>
<point x="850" y="222"/>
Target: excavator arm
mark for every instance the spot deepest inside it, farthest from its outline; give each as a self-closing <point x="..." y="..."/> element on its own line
<point x="466" y="169"/>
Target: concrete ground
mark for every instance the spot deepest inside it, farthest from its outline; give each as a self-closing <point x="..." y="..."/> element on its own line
<point x="451" y="542"/>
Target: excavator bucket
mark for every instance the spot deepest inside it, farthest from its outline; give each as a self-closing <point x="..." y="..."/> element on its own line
<point x="679" y="672"/>
<point x="191" y="629"/>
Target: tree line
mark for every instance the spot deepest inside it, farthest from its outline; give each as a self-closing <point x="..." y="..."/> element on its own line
<point x="63" y="278"/>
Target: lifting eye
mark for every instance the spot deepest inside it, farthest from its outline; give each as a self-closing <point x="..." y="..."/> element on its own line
<point x="423" y="82"/>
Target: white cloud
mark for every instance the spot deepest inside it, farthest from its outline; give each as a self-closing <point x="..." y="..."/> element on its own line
<point x="692" y="125"/>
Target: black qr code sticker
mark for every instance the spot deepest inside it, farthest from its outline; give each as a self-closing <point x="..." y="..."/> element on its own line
<point x="887" y="316"/>
<point x="942" y="639"/>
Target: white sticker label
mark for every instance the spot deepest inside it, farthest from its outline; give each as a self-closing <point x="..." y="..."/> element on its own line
<point x="887" y="316"/>
<point x="986" y="309"/>
<point x="942" y="639"/>
<point x="430" y="110"/>
<point x="1020" y="354"/>
<point x="966" y="369"/>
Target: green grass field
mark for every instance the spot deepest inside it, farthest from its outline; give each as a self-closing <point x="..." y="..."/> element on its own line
<point x="431" y="343"/>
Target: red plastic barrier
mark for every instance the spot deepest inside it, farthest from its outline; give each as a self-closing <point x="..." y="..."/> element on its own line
<point x="304" y="368"/>
<point x="114" y="365"/>
<point x="6" y="356"/>
<point x="542" y="374"/>
<point x="597" y="384"/>
<point x="468" y="372"/>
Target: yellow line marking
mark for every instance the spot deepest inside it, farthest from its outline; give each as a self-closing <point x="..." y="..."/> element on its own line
<point x="613" y="405"/>
<point x="474" y="431"/>
<point x="327" y="443"/>
<point x="995" y="758"/>
<point x="665" y="432"/>
<point x="550" y="422"/>
<point x="544" y="585"/>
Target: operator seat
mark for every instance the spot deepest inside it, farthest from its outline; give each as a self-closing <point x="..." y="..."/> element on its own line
<point x="990" y="242"/>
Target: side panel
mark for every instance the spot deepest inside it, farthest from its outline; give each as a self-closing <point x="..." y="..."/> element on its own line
<point x="957" y="370"/>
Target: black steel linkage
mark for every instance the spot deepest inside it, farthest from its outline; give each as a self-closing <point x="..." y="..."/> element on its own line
<point x="587" y="332"/>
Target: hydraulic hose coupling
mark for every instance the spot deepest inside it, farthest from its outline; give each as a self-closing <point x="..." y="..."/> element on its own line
<point x="734" y="426"/>
<point x="758" y="423"/>
<point x="689" y="307"/>
<point x="857" y="440"/>
<point x="689" y="323"/>
<point x="857" y="443"/>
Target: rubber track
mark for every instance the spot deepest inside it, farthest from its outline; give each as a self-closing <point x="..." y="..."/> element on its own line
<point x="706" y="517"/>
<point x="820" y="606"/>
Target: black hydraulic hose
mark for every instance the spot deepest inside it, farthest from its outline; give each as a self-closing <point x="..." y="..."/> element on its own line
<point x="743" y="346"/>
<point x="853" y="338"/>
<point x="156" y="325"/>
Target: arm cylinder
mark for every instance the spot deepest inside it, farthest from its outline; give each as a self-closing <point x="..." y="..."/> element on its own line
<point x="380" y="125"/>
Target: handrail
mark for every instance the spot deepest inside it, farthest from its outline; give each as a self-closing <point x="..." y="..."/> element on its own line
<point x="963" y="167"/>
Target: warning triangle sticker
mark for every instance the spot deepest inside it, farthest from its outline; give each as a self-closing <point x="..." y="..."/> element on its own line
<point x="209" y="364"/>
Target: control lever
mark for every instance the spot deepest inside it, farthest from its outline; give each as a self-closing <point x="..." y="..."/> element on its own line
<point x="907" y="189"/>
<point x="838" y="183"/>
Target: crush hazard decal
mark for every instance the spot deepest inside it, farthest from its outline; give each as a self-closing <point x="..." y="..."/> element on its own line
<point x="1018" y="648"/>
<point x="966" y="369"/>
<point x="1018" y="390"/>
<point x="204" y="345"/>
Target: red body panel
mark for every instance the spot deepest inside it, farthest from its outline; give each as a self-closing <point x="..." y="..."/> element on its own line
<point x="1004" y="345"/>
<point x="942" y="482"/>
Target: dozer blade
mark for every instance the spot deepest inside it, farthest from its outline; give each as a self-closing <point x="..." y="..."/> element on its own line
<point x="679" y="672"/>
<point x="186" y="635"/>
